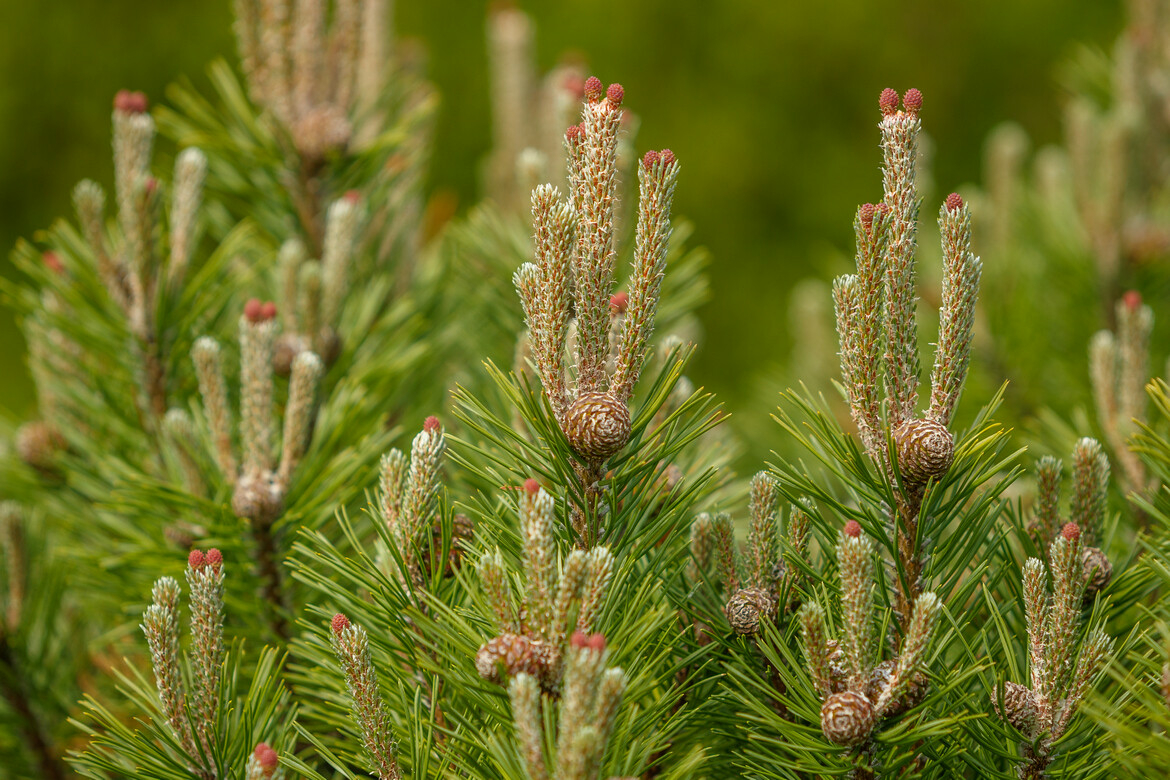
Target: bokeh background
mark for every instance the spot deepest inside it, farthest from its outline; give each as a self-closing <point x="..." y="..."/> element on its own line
<point x="770" y="106"/>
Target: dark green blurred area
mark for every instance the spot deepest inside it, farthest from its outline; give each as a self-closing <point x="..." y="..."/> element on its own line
<point x="770" y="106"/>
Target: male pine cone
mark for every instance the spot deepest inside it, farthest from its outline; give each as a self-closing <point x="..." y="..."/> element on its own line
<point x="925" y="450"/>
<point x="597" y="425"/>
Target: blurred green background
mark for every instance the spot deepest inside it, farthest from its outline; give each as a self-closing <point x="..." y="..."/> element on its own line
<point x="770" y="106"/>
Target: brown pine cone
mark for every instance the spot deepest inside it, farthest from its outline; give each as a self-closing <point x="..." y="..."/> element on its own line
<point x="258" y="497"/>
<point x="925" y="450"/>
<point x="597" y="425"/>
<point x="1019" y="707"/>
<point x="847" y="718"/>
<point x="38" y="444"/>
<point x="285" y="351"/>
<point x="1098" y="571"/>
<point x="506" y="655"/>
<point x="747" y="608"/>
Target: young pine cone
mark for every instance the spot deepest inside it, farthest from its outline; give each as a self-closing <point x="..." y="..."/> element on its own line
<point x="505" y="656"/>
<point x="597" y="425"/>
<point x="925" y="450"/>
<point x="1019" y="707"/>
<point x="847" y="718"/>
<point x="1098" y="571"/>
<point x="747" y="608"/>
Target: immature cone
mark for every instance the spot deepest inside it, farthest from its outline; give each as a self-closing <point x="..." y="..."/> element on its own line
<point x="597" y="425"/>
<point x="847" y="718"/>
<point x="925" y="450"/>
<point x="1098" y="570"/>
<point x="1019" y="707"/>
<point x="507" y="655"/>
<point x="747" y="608"/>
<point x="38" y="443"/>
<point x="258" y="497"/>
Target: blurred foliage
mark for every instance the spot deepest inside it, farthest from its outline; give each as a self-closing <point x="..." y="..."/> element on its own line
<point x="769" y="106"/>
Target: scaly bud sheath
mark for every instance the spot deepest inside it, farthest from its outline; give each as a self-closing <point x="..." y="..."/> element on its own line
<point x="845" y="313"/>
<point x="727" y="557"/>
<point x="595" y="257"/>
<point x="369" y="713"/>
<point x="190" y="171"/>
<point x="702" y="544"/>
<point x="308" y="55"/>
<point x="1090" y="482"/>
<point x="1097" y="648"/>
<point x="309" y="307"/>
<point x="257" y="334"/>
<point x="12" y="546"/>
<point x="651" y="241"/>
<point x="762" y="553"/>
<point x="960" y="289"/>
<point x="816" y="647"/>
<point x="422" y="484"/>
<point x="866" y="343"/>
<point x="205" y="579"/>
<point x="573" y="575"/>
<point x="340" y="230"/>
<point x="1047" y="512"/>
<point x="498" y="590"/>
<point x="1135" y="321"/>
<point x="855" y="555"/>
<point x="596" y="583"/>
<point x="578" y="703"/>
<point x="298" y="413"/>
<point x="545" y="290"/>
<point x="524" y="692"/>
<point x="212" y="387"/>
<point x="133" y="140"/>
<point x="1068" y="587"/>
<point x="289" y="260"/>
<point x="90" y="201"/>
<point x="160" y="624"/>
<point x="393" y="485"/>
<point x="900" y="152"/>
<point x="180" y="431"/>
<point x="1036" y="611"/>
<point x="343" y="46"/>
<point x="537" y="519"/>
<point x="914" y="647"/>
<point x="796" y="548"/>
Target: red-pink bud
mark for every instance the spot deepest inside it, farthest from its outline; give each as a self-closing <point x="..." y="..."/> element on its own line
<point x="912" y="100"/>
<point x="865" y="214"/>
<point x="618" y="302"/>
<point x="667" y="158"/>
<point x="574" y="84"/>
<point x="339" y="623"/>
<point x="888" y="102"/>
<point x="579" y="639"/>
<point x="52" y="261"/>
<point x="268" y="311"/>
<point x="214" y="558"/>
<point x="254" y="310"/>
<point x="130" y="102"/>
<point x="881" y="210"/>
<point x="649" y="159"/>
<point x="266" y="757"/>
<point x="574" y="133"/>
<point x="531" y="486"/>
<point x="853" y="528"/>
<point x="614" y="95"/>
<point x="597" y="642"/>
<point x="196" y="560"/>
<point x="1071" y="531"/>
<point x="353" y="196"/>
<point x="432" y="424"/>
<point x="954" y="202"/>
<point x="1132" y="299"/>
<point x="593" y="89"/>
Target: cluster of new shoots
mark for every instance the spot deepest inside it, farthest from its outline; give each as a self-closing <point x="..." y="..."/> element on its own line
<point x="590" y="698"/>
<point x="312" y="292"/>
<point x="1062" y="666"/>
<point x="557" y="598"/>
<point x="876" y="323"/>
<point x="1119" y="367"/>
<point x="409" y="505"/>
<point x="856" y="688"/>
<point x="191" y="715"/>
<point x="1086" y="509"/>
<point x="761" y="583"/>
